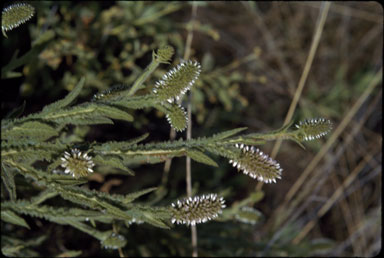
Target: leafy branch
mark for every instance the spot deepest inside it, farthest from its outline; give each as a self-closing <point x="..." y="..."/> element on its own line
<point x="38" y="139"/>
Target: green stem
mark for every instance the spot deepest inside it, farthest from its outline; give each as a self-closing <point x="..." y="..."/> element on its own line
<point x="147" y="72"/>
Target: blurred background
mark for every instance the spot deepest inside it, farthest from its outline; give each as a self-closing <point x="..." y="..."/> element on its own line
<point x="254" y="55"/>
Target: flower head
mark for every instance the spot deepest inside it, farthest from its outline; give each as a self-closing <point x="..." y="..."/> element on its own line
<point x="198" y="209"/>
<point x="14" y="15"/>
<point x="76" y="163"/>
<point x="312" y="129"/>
<point x="177" y="117"/>
<point x="177" y="81"/>
<point x="256" y="164"/>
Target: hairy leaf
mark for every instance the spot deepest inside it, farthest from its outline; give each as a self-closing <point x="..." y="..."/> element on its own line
<point x="86" y="114"/>
<point x="33" y="152"/>
<point x="33" y="131"/>
<point x="122" y="145"/>
<point x="248" y="215"/>
<point x="226" y="134"/>
<point x="137" y="102"/>
<point x="200" y="157"/>
<point x="149" y="218"/>
<point x="114" y="112"/>
<point x="67" y="100"/>
<point x="42" y="196"/>
<point x="7" y="176"/>
<point x="132" y="196"/>
<point x="115" y="162"/>
<point x="28" y="57"/>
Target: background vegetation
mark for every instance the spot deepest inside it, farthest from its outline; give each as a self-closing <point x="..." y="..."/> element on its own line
<point x="253" y="56"/>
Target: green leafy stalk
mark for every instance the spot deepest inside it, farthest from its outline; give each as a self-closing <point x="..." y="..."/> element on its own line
<point x="162" y="56"/>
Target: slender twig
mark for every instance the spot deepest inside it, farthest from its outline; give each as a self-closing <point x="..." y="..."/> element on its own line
<point x="189" y="130"/>
<point x="115" y="230"/>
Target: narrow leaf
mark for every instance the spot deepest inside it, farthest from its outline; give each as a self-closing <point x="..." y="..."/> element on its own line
<point x="122" y="145"/>
<point x="136" y="102"/>
<point x="42" y="196"/>
<point x="7" y="177"/>
<point x="248" y="215"/>
<point x="226" y="134"/>
<point x="149" y="218"/>
<point x="66" y="180"/>
<point x="200" y="157"/>
<point x="68" y="99"/>
<point x="31" y="130"/>
<point x="70" y="253"/>
<point x="132" y="196"/>
<point x="85" y="114"/>
<point x="13" y="218"/>
<point x="114" y="112"/>
<point x="115" y="162"/>
<point x="30" y="56"/>
<point x="17" y="111"/>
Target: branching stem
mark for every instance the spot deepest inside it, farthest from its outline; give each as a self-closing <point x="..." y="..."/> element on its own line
<point x="147" y="72"/>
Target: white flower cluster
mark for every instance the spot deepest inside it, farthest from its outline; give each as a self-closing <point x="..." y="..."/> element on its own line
<point x="76" y="163"/>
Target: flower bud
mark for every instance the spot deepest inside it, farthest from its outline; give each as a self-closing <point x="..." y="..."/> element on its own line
<point x="313" y="129"/>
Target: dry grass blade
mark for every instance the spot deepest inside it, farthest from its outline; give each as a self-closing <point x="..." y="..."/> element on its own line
<point x="334" y="198"/>
<point x="349" y="11"/>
